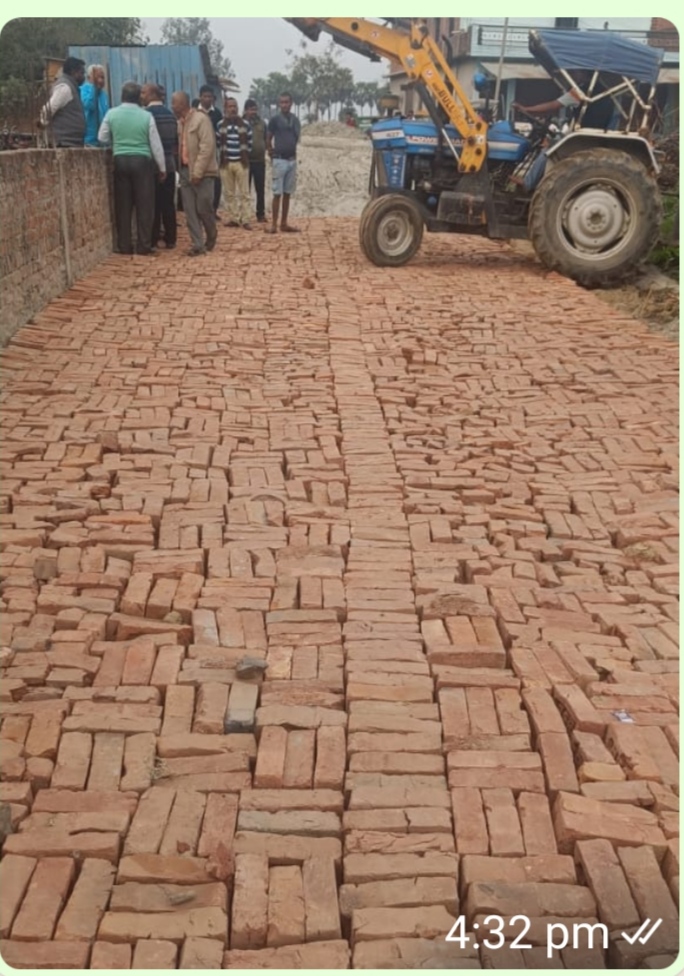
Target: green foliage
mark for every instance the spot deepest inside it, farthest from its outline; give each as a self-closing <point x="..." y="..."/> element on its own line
<point x="25" y="41"/>
<point x="265" y="91"/>
<point x="195" y="31"/>
<point x="318" y="83"/>
<point x="666" y="258"/>
<point x="666" y="253"/>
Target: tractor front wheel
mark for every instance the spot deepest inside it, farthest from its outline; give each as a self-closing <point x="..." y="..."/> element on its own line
<point x="595" y="216"/>
<point x="391" y="230"/>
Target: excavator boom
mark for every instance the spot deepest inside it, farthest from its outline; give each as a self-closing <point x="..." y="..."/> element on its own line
<point x="424" y="64"/>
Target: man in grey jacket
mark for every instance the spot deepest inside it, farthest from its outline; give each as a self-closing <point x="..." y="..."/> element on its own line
<point x="63" y="114"/>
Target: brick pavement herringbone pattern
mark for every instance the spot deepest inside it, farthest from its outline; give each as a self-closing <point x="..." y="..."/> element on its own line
<point x="337" y="602"/>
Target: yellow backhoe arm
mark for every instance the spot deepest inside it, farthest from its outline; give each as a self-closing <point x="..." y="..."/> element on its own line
<point x="423" y="62"/>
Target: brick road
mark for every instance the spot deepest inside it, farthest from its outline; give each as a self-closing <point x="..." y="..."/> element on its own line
<point x="440" y="505"/>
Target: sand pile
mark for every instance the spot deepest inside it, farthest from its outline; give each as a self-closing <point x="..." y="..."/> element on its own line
<point x="333" y="171"/>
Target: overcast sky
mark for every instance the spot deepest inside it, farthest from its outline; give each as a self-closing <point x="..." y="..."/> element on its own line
<point x="257" y="46"/>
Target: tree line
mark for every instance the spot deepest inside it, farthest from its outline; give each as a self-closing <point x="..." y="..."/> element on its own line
<point x="320" y="87"/>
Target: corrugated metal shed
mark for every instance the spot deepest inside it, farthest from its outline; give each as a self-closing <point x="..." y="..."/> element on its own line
<point x="178" y="67"/>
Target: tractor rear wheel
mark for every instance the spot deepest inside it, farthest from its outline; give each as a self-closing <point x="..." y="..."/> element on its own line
<point x="595" y="216"/>
<point x="391" y="230"/>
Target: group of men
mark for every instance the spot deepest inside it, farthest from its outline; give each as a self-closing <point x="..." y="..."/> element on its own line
<point x="210" y="152"/>
<point x="77" y="105"/>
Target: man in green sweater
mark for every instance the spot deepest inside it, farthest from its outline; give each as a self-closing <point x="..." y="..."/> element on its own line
<point x="138" y="157"/>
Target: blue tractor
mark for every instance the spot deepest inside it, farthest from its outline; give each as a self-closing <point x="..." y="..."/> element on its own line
<point x="585" y="194"/>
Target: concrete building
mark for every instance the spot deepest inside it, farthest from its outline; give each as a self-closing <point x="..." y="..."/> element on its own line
<point x="474" y="43"/>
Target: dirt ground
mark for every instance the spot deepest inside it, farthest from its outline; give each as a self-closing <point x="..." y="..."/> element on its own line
<point x="659" y="308"/>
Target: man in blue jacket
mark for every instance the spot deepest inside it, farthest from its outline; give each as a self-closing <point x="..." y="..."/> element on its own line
<point x="95" y="102"/>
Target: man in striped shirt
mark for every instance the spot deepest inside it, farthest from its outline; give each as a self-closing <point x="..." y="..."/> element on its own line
<point x="235" y="145"/>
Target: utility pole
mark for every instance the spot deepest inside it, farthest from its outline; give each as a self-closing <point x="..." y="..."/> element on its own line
<point x="497" y="90"/>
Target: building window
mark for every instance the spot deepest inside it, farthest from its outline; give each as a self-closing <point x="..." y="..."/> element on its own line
<point x="567" y="23"/>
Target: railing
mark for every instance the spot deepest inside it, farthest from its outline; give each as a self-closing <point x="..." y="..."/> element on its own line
<point x="486" y="40"/>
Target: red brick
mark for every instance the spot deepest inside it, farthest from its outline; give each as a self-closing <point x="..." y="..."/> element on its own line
<point x="111" y="955"/>
<point x="212" y="702"/>
<point x="86" y="906"/>
<point x="544" y="714"/>
<point x="201" y="954"/>
<point x="317" y="955"/>
<point x="44" y="955"/>
<point x="604" y="875"/>
<point x="275" y="800"/>
<point x="43" y="737"/>
<point x="218" y="825"/>
<point x="503" y="826"/>
<point x="66" y="801"/>
<point x="580" y="818"/>
<point x="139" y="663"/>
<point x="149" y="868"/>
<point x="155" y="953"/>
<point x="536" y="823"/>
<point x="249" y="920"/>
<point x="15" y="874"/>
<point x="285" y="906"/>
<point x="559" y="766"/>
<point x="322" y="916"/>
<point x="106" y="761"/>
<point x="649" y="889"/>
<point x="330" y="758"/>
<point x="299" y="759"/>
<point x="182" y="830"/>
<point x="46" y="842"/>
<point x="44" y="899"/>
<point x="270" y="765"/>
<point x="470" y="825"/>
<point x="147" y="897"/>
<point x="139" y="758"/>
<point x="207" y="923"/>
<point x="149" y="823"/>
<point x="179" y="706"/>
<point x="190" y="744"/>
<point x="73" y="761"/>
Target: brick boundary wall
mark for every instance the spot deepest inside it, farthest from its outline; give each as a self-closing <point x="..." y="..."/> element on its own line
<point x="55" y="214"/>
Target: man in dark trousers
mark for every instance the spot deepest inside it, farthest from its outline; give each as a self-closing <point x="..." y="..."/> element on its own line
<point x="282" y="139"/>
<point x="165" y="200"/>
<point x="198" y="170"/>
<point x="257" y="157"/>
<point x="207" y="104"/>
<point x="137" y="148"/>
<point x="63" y="114"/>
